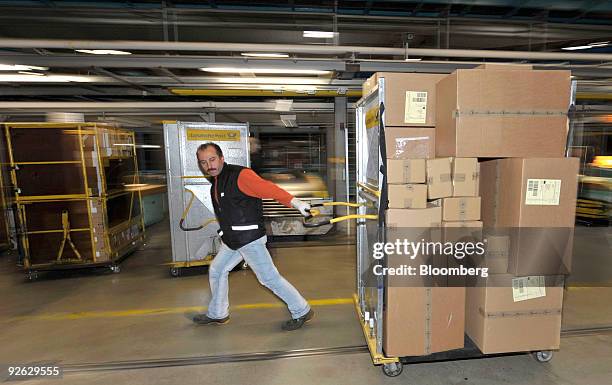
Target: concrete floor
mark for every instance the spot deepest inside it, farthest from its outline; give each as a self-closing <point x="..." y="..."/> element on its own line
<point x="581" y="360"/>
<point x="143" y="313"/>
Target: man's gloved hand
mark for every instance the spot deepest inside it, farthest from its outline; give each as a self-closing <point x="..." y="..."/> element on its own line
<point x="301" y="205"/>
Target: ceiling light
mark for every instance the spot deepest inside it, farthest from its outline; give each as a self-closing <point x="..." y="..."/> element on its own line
<point x="591" y="45"/>
<point x="103" y="52"/>
<point x="320" y="34"/>
<point x="264" y="71"/>
<point x="148" y="146"/>
<point x="21" y="67"/>
<point x="296" y="87"/>
<point x="283" y="105"/>
<point x="30" y="73"/>
<point x="412" y="59"/>
<point x="272" y="80"/>
<point x="256" y="54"/>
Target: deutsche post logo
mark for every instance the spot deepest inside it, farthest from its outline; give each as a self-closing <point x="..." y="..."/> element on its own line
<point x="213" y="135"/>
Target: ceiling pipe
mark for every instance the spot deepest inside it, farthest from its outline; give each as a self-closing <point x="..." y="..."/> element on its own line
<point x="295" y="48"/>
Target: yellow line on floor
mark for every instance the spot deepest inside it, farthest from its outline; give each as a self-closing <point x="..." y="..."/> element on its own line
<point x="168" y="310"/>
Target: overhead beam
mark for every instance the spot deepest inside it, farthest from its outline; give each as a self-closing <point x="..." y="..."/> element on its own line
<point x="296" y="48"/>
<point x="159" y="106"/>
<point x="165" y="61"/>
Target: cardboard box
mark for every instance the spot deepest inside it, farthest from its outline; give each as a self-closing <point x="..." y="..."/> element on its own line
<point x="533" y="201"/>
<point x="400" y="171"/>
<point x="410" y="142"/>
<point x="466" y="177"/>
<point x="497" y="250"/>
<point x="439" y="182"/>
<point x="504" y="66"/>
<point x="407" y="196"/>
<point x="497" y="323"/>
<point x="500" y="114"/>
<point x="420" y="218"/>
<point x="410" y="98"/>
<point x="420" y="321"/>
<point x="455" y="231"/>
<point x="461" y="209"/>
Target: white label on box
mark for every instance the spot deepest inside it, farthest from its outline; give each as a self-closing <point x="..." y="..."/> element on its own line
<point x="544" y="192"/>
<point x="416" y="107"/>
<point x="524" y="288"/>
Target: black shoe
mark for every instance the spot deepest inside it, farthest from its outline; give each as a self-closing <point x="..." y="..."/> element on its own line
<point x="203" y="319"/>
<point x="296" y="323"/>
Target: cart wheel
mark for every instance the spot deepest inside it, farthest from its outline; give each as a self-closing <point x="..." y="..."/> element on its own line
<point x="32" y="276"/>
<point x="175" y="272"/>
<point x="115" y="269"/>
<point x="241" y="266"/>
<point x="393" y="369"/>
<point x="543" y="356"/>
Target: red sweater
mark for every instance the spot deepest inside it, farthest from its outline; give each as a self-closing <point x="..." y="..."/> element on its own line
<point x="255" y="186"/>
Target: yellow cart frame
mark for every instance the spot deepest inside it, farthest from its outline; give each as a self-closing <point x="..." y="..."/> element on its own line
<point x="113" y="136"/>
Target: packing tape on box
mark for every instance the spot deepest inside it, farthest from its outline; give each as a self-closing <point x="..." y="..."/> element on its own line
<point x="420" y="145"/>
<point x="458" y="113"/>
<point x="527" y="313"/>
<point x="475" y="175"/>
<point x="428" y="299"/>
<point x="459" y="177"/>
<point x="445" y="178"/>
<point x="407" y="172"/>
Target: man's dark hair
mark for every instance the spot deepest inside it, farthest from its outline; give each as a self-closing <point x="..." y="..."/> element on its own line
<point x="204" y="146"/>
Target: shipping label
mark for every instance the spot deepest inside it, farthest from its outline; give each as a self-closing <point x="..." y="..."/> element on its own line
<point x="524" y="288"/>
<point x="416" y="107"/>
<point x="543" y="192"/>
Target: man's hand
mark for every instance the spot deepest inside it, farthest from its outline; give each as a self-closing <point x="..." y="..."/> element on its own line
<point x="302" y="206"/>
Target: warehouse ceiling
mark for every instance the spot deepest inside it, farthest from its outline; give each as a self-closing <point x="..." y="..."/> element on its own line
<point x="168" y="43"/>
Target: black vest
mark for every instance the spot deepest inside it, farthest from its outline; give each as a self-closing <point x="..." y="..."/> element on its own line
<point x="240" y="216"/>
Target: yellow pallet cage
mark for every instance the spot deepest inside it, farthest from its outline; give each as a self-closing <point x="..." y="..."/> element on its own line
<point x="75" y="191"/>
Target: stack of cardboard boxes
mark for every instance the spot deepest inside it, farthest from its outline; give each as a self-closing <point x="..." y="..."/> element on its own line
<point x="419" y="318"/>
<point x="528" y="198"/>
<point x="490" y="140"/>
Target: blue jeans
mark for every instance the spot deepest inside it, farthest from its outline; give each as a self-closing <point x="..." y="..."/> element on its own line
<point x="259" y="260"/>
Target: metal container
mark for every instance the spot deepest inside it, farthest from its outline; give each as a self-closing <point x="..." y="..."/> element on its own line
<point x="189" y="190"/>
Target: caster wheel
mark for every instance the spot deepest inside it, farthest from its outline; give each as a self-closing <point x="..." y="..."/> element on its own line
<point x="32" y="276"/>
<point x="393" y="369"/>
<point x="175" y="272"/>
<point x="543" y="356"/>
<point x="115" y="269"/>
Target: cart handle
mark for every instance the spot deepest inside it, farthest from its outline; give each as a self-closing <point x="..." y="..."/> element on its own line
<point x="186" y="211"/>
<point x="348" y="204"/>
<point x="337" y="219"/>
